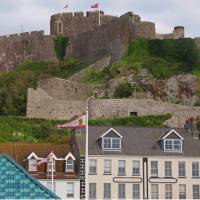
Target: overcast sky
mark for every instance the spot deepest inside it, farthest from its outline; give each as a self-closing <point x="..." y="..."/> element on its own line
<point x="35" y="14"/>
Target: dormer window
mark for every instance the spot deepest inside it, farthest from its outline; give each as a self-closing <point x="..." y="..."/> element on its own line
<point x="69" y="162"/>
<point x="51" y="165"/>
<point x="111" y="140"/>
<point x="32" y="165"/>
<point x="69" y="165"/>
<point x="172" y="142"/>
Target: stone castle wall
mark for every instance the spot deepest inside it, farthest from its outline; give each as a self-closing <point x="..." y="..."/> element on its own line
<point x="42" y="105"/>
<point x="16" y="48"/>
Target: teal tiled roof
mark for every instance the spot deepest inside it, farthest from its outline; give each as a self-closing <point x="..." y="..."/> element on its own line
<point x="17" y="183"/>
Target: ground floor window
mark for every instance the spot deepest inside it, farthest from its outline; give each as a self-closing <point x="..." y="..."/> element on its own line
<point x="107" y="190"/>
<point x="121" y="191"/>
<point x="168" y="191"/>
<point x="92" y="191"/>
<point x="196" y="191"/>
<point x="136" y="191"/>
<point x="154" y="191"/>
<point x="70" y="190"/>
<point x="182" y="191"/>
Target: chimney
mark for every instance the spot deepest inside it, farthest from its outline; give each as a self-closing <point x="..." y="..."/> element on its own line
<point x="191" y="126"/>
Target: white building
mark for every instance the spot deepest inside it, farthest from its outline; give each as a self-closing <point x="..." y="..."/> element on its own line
<point x="142" y="163"/>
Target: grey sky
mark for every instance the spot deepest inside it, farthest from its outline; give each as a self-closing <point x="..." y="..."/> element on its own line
<point x="35" y="14"/>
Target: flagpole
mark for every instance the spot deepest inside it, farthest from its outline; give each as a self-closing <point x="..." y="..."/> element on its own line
<point x="86" y="151"/>
<point x="52" y="173"/>
<point x="99" y="15"/>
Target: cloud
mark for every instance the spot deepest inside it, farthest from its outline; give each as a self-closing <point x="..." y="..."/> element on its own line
<point x="35" y="14"/>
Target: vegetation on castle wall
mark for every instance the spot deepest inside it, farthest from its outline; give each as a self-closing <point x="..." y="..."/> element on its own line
<point x="14" y="85"/>
<point x="143" y="121"/>
<point x="14" y="129"/>
<point x="60" y="45"/>
<point x="123" y="90"/>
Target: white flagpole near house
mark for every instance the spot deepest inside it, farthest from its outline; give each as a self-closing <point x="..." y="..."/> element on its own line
<point x="52" y="171"/>
<point x="86" y="153"/>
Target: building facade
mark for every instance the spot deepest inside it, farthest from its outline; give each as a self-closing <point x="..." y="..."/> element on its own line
<point x="143" y="163"/>
<point x="61" y="171"/>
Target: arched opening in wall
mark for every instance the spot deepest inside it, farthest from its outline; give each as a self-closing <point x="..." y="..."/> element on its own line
<point x="59" y="27"/>
<point x="133" y="114"/>
<point x="76" y="90"/>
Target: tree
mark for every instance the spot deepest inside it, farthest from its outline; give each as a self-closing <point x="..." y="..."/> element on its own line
<point x="60" y="45"/>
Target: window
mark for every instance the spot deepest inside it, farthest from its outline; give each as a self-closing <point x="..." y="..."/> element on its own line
<point x="112" y="143"/>
<point x="172" y="145"/>
<point x="182" y="191"/>
<point x="121" y="167"/>
<point x="195" y="169"/>
<point x="92" y="191"/>
<point x="32" y="165"/>
<point x="70" y="190"/>
<point x="154" y="168"/>
<point x="92" y="167"/>
<point x="154" y="191"/>
<point x="51" y="184"/>
<point x="136" y="168"/>
<point x="168" y="191"/>
<point x="69" y="165"/>
<point x="136" y="191"/>
<point x="59" y="27"/>
<point x="107" y="166"/>
<point x="168" y="168"/>
<point x="181" y="169"/>
<point x="196" y="191"/>
<point x="51" y="166"/>
<point x="107" y="190"/>
<point x="121" y="191"/>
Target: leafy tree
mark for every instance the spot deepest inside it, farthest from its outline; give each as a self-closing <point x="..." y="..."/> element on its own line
<point x="60" y="45"/>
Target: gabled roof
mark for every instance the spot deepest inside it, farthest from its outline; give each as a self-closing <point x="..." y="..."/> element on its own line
<point x="111" y="129"/>
<point x="172" y="132"/>
<point x="17" y="183"/>
<point x="33" y="155"/>
<point x="138" y="141"/>
<point x="53" y="155"/>
<point x="70" y="155"/>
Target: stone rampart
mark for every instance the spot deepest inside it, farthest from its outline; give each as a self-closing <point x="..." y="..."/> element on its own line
<point x="42" y="105"/>
<point x="16" y="48"/>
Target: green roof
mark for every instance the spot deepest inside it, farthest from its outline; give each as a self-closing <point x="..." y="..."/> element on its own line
<point x="17" y="183"/>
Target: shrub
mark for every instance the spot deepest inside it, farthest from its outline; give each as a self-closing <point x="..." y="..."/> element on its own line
<point x="123" y="90"/>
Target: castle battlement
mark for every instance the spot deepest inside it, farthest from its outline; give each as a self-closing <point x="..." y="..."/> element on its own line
<point x="23" y="35"/>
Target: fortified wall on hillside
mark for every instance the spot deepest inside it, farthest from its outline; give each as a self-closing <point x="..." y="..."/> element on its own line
<point x="61" y="99"/>
<point x="88" y="41"/>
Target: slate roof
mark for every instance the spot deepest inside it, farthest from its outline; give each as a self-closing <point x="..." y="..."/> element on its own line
<point x="138" y="142"/>
<point x="16" y="183"/>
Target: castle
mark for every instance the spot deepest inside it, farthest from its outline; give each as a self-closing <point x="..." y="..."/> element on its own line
<point x="87" y="40"/>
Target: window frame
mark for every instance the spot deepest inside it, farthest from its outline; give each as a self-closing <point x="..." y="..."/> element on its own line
<point x="92" y="169"/>
<point x="123" y="167"/>
<point x="33" y="165"/>
<point x="107" y="167"/>
<point x="182" y="194"/>
<point x="49" y="163"/>
<point x="156" y="192"/>
<point x="168" y="193"/>
<point x="195" y="172"/>
<point x="107" y="191"/>
<point x="173" y="149"/>
<point x="72" y="194"/>
<point x="69" y="164"/>
<point x="136" y="168"/>
<point x="49" y="186"/>
<point x="92" y="193"/>
<point x="181" y="169"/>
<point x="111" y="139"/>
<point x="136" y="193"/>
<point x="154" y="169"/>
<point x="121" y="193"/>
<point x="196" y="192"/>
<point x="168" y="169"/>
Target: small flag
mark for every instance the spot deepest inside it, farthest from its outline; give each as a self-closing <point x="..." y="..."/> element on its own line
<point x="75" y="122"/>
<point x="96" y="5"/>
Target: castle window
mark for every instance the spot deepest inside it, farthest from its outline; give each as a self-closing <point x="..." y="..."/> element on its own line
<point x="59" y="27"/>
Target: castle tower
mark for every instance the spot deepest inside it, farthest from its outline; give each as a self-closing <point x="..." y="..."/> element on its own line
<point x="72" y="24"/>
<point x="179" y="32"/>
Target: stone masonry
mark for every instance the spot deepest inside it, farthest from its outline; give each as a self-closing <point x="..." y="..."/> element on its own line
<point x="87" y="41"/>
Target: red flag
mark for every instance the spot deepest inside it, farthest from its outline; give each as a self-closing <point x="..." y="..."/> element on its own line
<point x="76" y="122"/>
<point x="96" y="5"/>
